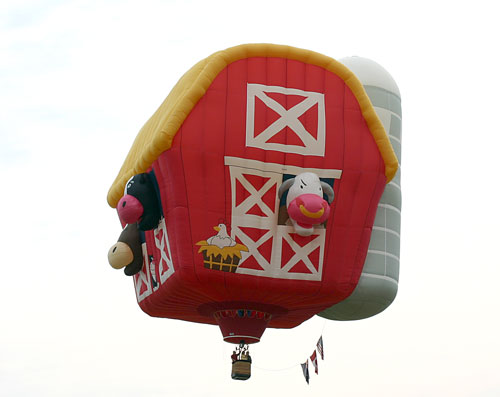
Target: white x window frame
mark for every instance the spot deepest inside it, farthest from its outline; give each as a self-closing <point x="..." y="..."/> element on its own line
<point x="268" y="223"/>
<point x="288" y="118"/>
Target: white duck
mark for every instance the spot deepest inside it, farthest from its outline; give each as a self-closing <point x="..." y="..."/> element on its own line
<point x="221" y="239"/>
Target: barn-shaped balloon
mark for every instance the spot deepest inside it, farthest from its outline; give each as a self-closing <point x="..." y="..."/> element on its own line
<point x="267" y="164"/>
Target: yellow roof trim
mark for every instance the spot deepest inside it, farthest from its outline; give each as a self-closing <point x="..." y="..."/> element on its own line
<point x="157" y="134"/>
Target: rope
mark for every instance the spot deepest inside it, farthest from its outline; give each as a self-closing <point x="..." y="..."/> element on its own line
<point x="275" y="370"/>
<point x="293" y="366"/>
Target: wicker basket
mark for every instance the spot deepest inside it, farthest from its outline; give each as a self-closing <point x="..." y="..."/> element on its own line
<point x="241" y="370"/>
<point x="215" y="262"/>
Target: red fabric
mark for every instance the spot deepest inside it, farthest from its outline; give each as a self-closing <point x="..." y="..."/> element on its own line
<point x="314" y="361"/>
<point x="197" y="194"/>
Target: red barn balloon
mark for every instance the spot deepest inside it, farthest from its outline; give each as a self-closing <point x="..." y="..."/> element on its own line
<point x="232" y="132"/>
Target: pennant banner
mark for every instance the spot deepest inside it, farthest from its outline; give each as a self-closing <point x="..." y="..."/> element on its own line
<point x="314" y="361"/>
<point x="319" y="346"/>
<point x="305" y="370"/>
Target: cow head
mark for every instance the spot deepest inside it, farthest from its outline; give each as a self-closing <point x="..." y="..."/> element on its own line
<point x="140" y="203"/>
<point x="305" y="204"/>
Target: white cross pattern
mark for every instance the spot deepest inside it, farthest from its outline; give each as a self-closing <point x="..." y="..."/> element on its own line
<point x="313" y="141"/>
<point x="142" y="280"/>
<point x="266" y="224"/>
<point x="301" y="253"/>
<point x="166" y="266"/>
<point x="255" y="197"/>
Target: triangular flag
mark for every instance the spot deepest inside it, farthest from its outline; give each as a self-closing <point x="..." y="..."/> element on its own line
<point x="314" y="361"/>
<point x="319" y="346"/>
<point x="305" y="370"/>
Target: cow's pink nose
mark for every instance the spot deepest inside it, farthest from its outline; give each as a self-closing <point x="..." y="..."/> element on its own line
<point x="312" y="202"/>
<point x="129" y="209"/>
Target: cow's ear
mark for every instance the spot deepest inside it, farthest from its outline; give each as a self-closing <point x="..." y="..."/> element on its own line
<point x="328" y="190"/>
<point x="285" y="186"/>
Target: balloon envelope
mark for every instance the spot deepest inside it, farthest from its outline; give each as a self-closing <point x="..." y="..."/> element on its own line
<point x="235" y="128"/>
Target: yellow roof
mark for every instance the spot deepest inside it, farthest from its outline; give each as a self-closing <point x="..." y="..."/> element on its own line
<point x="157" y="134"/>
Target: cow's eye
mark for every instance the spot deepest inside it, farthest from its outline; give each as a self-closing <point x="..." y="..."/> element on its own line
<point x="302" y="187"/>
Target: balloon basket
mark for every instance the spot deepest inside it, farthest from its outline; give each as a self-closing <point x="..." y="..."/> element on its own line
<point x="241" y="370"/>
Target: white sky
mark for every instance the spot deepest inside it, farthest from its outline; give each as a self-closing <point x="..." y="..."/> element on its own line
<point x="77" y="81"/>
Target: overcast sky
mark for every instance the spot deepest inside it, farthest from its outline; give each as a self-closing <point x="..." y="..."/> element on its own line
<point x="77" y="81"/>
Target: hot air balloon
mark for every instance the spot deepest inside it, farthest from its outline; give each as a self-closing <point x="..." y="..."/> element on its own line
<point x="254" y="189"/>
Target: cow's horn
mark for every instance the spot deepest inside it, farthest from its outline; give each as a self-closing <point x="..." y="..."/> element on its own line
<point x="328" y="190"/>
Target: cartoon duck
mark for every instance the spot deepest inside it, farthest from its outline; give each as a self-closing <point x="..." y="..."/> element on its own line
<point x="221" y="252"/>
<point x="221" y="239"/>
